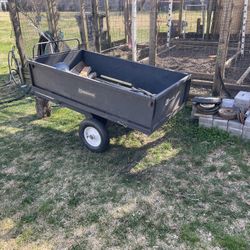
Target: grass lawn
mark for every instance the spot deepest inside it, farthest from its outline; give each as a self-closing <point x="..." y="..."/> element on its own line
<point x="184" y="187"/>
<point x="6" y="40"/>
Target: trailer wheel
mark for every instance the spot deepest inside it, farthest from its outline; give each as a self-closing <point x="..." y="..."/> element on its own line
<point x="94" y="135"/>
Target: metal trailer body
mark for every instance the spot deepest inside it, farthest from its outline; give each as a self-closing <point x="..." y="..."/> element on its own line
<point x="122" y="105"/>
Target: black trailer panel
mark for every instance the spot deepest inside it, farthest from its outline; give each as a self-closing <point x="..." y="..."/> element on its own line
<point x="116" y="103"/>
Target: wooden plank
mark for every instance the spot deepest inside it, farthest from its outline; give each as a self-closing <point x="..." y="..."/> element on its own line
<point x="229" y="86"/>
<point x="231" y="59"/>
<point x="153" y="32"/>
<point x="84" y="26"/>
<point x="113" y="48"/>
<point x="244" y="76"/>
<point x="222" y="47"/>
<point x="202" y="76"/>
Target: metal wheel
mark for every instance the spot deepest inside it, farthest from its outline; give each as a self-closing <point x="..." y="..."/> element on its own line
<point x="94" y="135"/>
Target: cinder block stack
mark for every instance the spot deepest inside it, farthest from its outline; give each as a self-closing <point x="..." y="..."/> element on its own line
<point x="234" y="127"/>
<point x="246" y="129"/>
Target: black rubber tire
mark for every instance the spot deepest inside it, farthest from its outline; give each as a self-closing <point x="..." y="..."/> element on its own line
<point x="207" y="100"/>
<point x="100" y="127"/>
<point x="100" y="119"/>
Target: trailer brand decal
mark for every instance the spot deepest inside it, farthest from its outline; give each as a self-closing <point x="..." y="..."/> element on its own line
<point x="83" y="92"/>
<point x="169" y="100"/>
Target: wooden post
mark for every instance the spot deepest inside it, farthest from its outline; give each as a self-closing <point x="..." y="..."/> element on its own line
<point x="43" y="108"/>
<point x="133" y="30"/>
<point x="153" y="32"/>
<point x="53" y="17"/>
<point x="126" y="18"/>
<point x="216" y="17"/>
<point x="223" y="46"/>
<point x="14" y="17"/>
<point x="203" y="6"/>
<point x="127" y="22"/>
<point x="83" y="25"/>
<point x="96" y="24"/>
<point x="108" y="22"/>
<point x="180" y="16"/>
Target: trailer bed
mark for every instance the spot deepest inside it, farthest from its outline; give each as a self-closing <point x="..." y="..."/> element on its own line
<point x="131" y="107"/>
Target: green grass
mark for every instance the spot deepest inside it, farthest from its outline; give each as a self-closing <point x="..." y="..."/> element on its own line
<point x="143" y="192"/>
<point x="68" y="25"/>
<point x="6" y="40"/>
<point x="183" y="187"/>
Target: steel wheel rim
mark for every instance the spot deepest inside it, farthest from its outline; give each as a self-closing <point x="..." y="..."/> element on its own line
<point x="92" y="136"/>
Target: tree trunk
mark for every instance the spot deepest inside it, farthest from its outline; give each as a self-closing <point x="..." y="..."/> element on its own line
<point x="107" y="22"/>
<point x="43" y="108"/>
<point x="96" y="24"/>
<point x="223" y="46"/>
<point x="53" y="17"/>
<point x="83" y="25"/>
<point x="180" y="16"/>
<point x="14" y="17"/>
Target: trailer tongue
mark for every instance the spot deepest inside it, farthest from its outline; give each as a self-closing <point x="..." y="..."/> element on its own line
<point x="134" y="95"/>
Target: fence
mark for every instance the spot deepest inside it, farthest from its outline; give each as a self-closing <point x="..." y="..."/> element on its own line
<point x="186" y="37"/>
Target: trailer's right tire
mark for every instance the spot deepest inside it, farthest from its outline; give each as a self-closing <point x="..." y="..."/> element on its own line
<point x="94" y="135"/>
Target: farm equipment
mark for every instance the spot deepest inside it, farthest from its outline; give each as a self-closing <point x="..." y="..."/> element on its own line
<point x="133" y="95"/>
<point x="14" y="88"/>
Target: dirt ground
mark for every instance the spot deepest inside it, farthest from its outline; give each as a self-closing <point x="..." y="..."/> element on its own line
<point x="239" y="67"/>
<point x="197" y="59"/>
<point x="189" y="59"/>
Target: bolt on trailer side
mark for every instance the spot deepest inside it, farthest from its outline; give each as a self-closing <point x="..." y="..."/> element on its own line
<point x="134" y="109"/>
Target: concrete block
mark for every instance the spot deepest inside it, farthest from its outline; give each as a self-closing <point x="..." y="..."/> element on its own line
<point x="247" y="122"/>
<point x="242" y="100"/>
<point x="235" y="131"/>
<point x="246" y="132"/>
<point x="220" y="123"/>
<point x="227" y="103"/>
<point x="235" y="124"/>
<point x="206" y="122"/>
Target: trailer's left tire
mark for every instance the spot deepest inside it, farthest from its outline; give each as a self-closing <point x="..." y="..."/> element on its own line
<point x="94" y="135"/>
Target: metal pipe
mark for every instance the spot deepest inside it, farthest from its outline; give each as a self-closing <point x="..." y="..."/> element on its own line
<point x="244" y="27"/>
<point x="170" y="12"/>
<point x="133" y="30"/>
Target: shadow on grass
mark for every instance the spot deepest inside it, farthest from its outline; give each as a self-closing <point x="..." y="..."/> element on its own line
<point x="195" y="143"/>
<point x="46" y="174"/>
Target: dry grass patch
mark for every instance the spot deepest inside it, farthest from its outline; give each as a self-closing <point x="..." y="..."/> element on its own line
<point x="180" y="188"/>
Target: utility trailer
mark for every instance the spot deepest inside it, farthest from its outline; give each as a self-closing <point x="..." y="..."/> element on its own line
<point x="156" y="94"/>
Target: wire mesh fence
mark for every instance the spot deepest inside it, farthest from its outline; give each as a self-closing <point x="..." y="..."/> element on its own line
<point x="33" y="21"/>
<point x="187" y="32"/>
